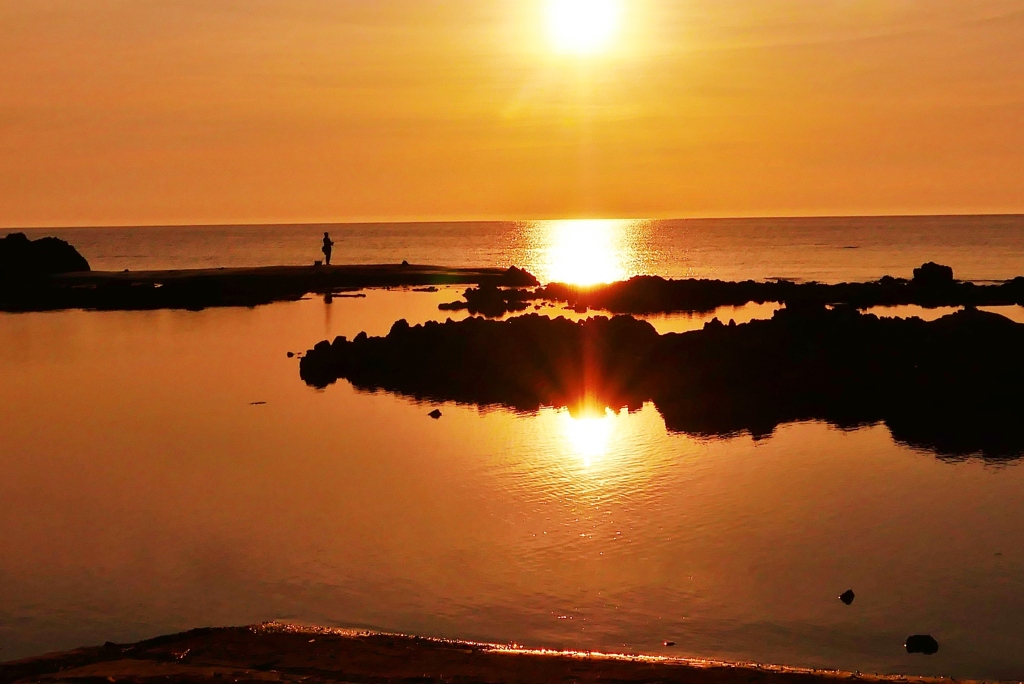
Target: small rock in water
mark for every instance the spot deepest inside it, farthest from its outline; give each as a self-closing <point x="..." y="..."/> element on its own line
<point x="291" y="355"/>
<point x="922" y="643"/>
<point x="847" y="596"/>
<point x="435" y="414"/>
<point x="669" y="643"/>
<point x="257" y="403"/>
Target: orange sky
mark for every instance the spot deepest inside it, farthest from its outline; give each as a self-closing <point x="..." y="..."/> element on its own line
<point x="226" y="111"/>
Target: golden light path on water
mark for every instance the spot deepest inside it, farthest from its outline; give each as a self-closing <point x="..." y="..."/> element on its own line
<point x="593" y="452"/>
<point x="586" y="251"/>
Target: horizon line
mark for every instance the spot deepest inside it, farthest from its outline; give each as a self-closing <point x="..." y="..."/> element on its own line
<point x="414" y="222"/>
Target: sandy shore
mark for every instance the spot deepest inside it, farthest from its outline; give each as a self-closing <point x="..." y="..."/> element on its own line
<point x="284" y="653"/>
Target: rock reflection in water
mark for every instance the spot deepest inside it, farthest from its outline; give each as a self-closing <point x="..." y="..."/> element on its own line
<point x="947" y="386"/>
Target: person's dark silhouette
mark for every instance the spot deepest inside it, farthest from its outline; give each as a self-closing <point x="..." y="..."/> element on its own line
<point x="328" y="245"/>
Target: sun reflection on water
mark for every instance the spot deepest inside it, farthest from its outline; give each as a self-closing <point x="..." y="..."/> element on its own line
<point x="592" y="451"/>
<point x="585" y="252"/>
<point x="588" y="436"/>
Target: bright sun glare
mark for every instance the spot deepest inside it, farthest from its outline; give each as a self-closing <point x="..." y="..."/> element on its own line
<point x="582" y="27"/>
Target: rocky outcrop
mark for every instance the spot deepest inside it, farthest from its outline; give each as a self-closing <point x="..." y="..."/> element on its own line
<point x="933" y="275"/>
<point x="491" y="301"/>
<point x="950" y="385"/>
<point x="922" y="643"/>
<point x="21" y="258"/>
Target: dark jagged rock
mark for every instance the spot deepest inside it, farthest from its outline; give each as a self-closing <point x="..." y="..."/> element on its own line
<point x="435" y="414"/>
<point x="922" y="643"/>
<point x="491" y="301"/>
<point x="933" y="275"/>
<point x="950" y="385"/>
<point x="21" y="258"/>
<point x="494" y="302"/>
<point x="847" y="596"/>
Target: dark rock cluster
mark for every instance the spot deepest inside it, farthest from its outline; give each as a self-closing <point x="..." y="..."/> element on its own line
<point x="950" y="386"/>
<point x="491" y="301"/>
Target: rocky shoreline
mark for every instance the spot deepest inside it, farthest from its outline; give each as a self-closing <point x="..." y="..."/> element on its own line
<point x="932" y="286"/>
<point x="205" y="288"/>
<point x="49" y="274"/>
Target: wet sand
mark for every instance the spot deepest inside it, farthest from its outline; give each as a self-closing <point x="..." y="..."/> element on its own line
<point x="284" y="653"/>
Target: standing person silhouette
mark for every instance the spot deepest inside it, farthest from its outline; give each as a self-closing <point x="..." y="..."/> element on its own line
<point x="328" y="245"/>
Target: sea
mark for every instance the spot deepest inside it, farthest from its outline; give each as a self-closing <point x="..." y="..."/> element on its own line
<point x="978" y="248"/>
<point x="164" y="470"/>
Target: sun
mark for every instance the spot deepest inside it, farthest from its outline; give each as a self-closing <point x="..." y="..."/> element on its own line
<point x="582" y="27"/>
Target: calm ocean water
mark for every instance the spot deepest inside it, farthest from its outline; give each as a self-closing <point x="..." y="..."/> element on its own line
<point x="824" y="249"/>
<point x="163" y="470"/>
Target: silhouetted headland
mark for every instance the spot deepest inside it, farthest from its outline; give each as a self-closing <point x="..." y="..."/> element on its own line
<point x="23" y="259"/>
<point x="950" y="386"/>
<point x="282" y="653"/>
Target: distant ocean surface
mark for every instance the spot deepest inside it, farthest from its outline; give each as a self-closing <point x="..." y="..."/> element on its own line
<point x="979" y="248"/>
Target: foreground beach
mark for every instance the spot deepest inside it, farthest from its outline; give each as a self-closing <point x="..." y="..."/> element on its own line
<point x="284" y="653"/>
